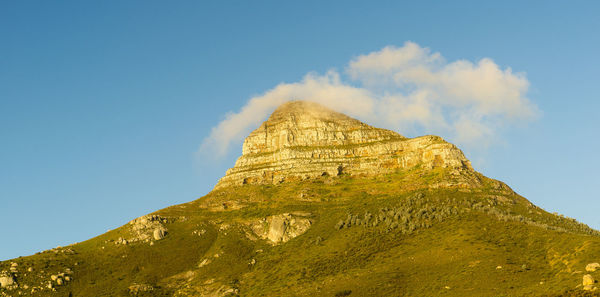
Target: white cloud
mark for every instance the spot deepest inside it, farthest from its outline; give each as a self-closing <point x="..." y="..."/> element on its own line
<point x="408" y="89"/>
<point x="326" y="89"/>
<point x="380" y="67"/>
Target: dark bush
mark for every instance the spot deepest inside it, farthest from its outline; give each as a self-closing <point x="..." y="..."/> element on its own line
<point x="343" y="293"/>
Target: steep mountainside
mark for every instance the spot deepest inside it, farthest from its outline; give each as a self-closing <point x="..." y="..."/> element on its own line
<point x="320" y="204"/>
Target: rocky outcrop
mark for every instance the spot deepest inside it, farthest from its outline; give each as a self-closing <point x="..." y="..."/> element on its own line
<point x="210" y="288"/>
<point x="7" y="281"/>
<point x="302" y="140"/>
<point x="146" y="228"/>
<point x="137" y="289"/>
<point x="281" y="228"/>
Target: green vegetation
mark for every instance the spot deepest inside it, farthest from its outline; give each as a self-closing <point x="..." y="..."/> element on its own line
<point x="389" y="235"/>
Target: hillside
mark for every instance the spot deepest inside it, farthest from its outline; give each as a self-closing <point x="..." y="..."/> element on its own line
<point x="320" y="204"/>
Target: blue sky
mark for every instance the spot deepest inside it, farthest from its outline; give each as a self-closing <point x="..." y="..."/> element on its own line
<point x="104" y="105"/>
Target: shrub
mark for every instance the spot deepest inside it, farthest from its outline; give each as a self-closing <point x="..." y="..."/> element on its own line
<point x="343" y="293"/>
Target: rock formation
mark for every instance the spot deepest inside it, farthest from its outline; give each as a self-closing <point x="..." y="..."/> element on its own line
<point x="588" y="282"/>
<point x="139" y="289"/>
<point x="146" y="228"/>
<point x="281" y="228"/>
<point x="592" y="267"/>
<point x="302" y="140"/>
<point x="6" y="280"/>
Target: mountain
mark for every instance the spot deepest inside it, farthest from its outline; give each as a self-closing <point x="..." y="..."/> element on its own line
<point x="320" y="204"/>
<point x="303" y="140"/>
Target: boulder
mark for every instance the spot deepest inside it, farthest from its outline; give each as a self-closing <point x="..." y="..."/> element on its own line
<point x="159" y="234"/>
<point x="122" y="241"/>
<point x="6" y="280"/>
<point x="588" y="280"/>
<point x="592" y="267"/>
<point x="204" y="263"/>
<point x="277" y="229"/>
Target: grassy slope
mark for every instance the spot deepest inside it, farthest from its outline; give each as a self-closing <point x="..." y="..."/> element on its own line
<point x="460" y="237"/>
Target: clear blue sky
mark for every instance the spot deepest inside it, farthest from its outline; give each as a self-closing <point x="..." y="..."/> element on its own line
<point x="103" y="104"/>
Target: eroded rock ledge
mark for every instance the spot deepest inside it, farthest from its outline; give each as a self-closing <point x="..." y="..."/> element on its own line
<point x="302" y="140"/>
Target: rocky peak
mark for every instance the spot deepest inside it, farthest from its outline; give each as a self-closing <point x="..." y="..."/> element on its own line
<point x="304" y="124"/>
<point x="303" y="140"/>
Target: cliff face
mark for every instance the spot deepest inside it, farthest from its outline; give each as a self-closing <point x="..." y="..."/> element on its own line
<point x="303" y="140"/>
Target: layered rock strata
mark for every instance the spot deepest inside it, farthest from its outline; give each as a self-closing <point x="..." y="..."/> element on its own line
<point x="303" y="140"/>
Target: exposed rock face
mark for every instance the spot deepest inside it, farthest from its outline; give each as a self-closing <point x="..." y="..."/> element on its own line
<point x="305" y="140"/>
<point x="281" y="228"/>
